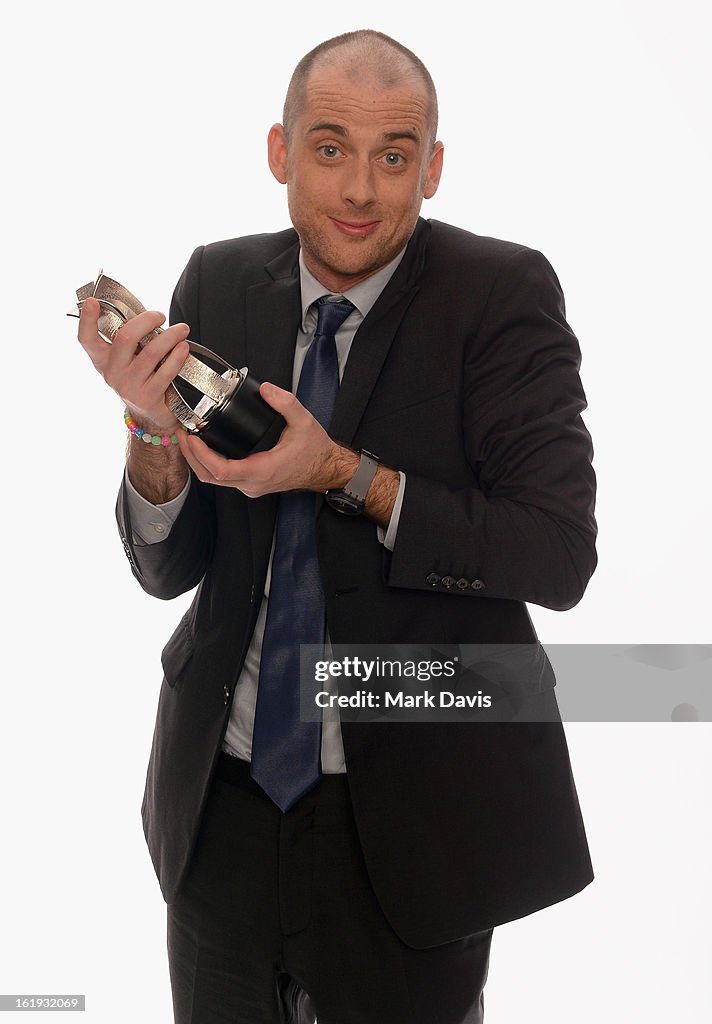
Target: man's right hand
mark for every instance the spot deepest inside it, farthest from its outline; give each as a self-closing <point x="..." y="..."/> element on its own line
<point x="139" y="378"/>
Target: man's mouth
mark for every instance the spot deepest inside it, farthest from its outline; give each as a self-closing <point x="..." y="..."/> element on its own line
<point x="355" y="229"/>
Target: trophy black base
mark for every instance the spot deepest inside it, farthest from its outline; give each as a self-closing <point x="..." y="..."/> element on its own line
<point x="245" y="424"/>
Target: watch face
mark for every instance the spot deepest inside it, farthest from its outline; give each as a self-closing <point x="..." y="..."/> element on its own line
<point x="341" y="502"/>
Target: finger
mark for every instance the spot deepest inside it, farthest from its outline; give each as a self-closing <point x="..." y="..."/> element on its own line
<point x="207" y="465"/>
<point x="122" y="350"/>
<point x="159" y="348"/>
<point x="171" y="366"/>
<point x="88" y="332"/>
<point x="126" y="339"/>
<point x="139" y="376"/>
<point x="284" y="402"/>
<point x="187" y="452"/>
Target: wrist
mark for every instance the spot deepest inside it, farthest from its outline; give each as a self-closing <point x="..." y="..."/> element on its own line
<point x="350" y="498"/>
<point x="153" y="422"/>
<point x="340" y="465"/>
<point x="150" y="436"/>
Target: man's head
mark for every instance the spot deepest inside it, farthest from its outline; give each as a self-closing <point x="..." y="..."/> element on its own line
<point x="356" y="53"/>
<point x="357" y="152"/>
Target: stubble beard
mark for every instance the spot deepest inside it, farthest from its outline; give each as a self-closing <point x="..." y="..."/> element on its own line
<point x="324" y="256"/>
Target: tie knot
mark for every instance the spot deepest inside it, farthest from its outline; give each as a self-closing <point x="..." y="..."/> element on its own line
<point x="331" y="315"/>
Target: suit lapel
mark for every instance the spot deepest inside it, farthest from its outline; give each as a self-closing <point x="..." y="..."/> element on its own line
<point x="374" y="338"/>
<point x="368" y="353"/>
<point x="273" y="312"/>
<point x="272" y="322"/>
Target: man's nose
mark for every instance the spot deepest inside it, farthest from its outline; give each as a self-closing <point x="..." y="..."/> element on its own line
<point x="359" y="186"/>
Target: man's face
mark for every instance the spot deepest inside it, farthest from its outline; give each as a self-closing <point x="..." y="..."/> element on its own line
<point x="357" y="167"/>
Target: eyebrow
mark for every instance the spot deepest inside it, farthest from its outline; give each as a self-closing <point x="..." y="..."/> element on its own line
<point x="338" y="129"/>
<point x="395" y="136"/>
<point x="327" y="126"/>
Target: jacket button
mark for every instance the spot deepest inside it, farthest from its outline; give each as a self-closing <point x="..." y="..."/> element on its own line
<point x="448" y="581"/>
<point x="433" y="579"/>
<point x="226" y="694"/>
<point x="478" y="585"/>
<point x="462" y="584"/>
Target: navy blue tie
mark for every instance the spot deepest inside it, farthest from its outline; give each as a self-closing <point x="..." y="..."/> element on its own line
<point x="286" y="753"/>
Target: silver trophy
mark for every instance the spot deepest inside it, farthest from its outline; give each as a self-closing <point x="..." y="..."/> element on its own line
<point x="231" y="416"/>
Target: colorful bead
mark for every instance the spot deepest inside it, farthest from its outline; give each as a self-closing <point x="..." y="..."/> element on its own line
<point x="160" y="440"/>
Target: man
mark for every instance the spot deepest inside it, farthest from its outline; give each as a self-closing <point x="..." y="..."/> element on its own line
<point x="355" y="871"/>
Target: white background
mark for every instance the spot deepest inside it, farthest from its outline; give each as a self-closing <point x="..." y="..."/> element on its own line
<point x="134" y="132"/>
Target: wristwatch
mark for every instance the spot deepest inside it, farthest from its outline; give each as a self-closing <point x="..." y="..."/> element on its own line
<point x="350" y="499"/>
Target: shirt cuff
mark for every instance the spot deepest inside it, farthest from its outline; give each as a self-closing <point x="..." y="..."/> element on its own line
<point x="152" y="523"/>
<point x="388" y="537"/>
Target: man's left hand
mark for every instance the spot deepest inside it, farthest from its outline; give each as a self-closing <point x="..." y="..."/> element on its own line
<point x="304" y="459"/>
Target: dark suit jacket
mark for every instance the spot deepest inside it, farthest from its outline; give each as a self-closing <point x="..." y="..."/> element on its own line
<point x="464" y="375"/>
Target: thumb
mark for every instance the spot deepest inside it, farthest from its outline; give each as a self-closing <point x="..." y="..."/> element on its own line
<point x="282" y="401"/>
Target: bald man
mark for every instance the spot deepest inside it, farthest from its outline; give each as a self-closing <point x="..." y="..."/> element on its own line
<point x="433" y="476"/>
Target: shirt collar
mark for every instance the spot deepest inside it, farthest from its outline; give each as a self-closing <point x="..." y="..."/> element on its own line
<point x="363" y="295"/>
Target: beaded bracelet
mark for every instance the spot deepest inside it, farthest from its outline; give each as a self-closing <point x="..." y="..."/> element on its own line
<point x="158" y="439"/>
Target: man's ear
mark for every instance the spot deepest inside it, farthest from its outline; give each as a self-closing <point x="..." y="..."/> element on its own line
<point x="434" y="170"/>
<point x="277" y="153"/>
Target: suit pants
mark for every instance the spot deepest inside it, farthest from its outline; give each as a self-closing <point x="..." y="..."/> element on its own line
<point x="277" y="923"/>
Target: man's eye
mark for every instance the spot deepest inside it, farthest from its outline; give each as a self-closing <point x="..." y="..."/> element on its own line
<point x="329" y="151"/>
<point x="392" y="159"/>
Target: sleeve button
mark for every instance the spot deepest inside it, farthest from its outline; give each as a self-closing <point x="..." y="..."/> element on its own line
<point x="448" y="581"/>
<point x="462" y="584"/>
<point x="478" y="585"/>
<point x="433" y="579"/>
<point x="226" y="694"/>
